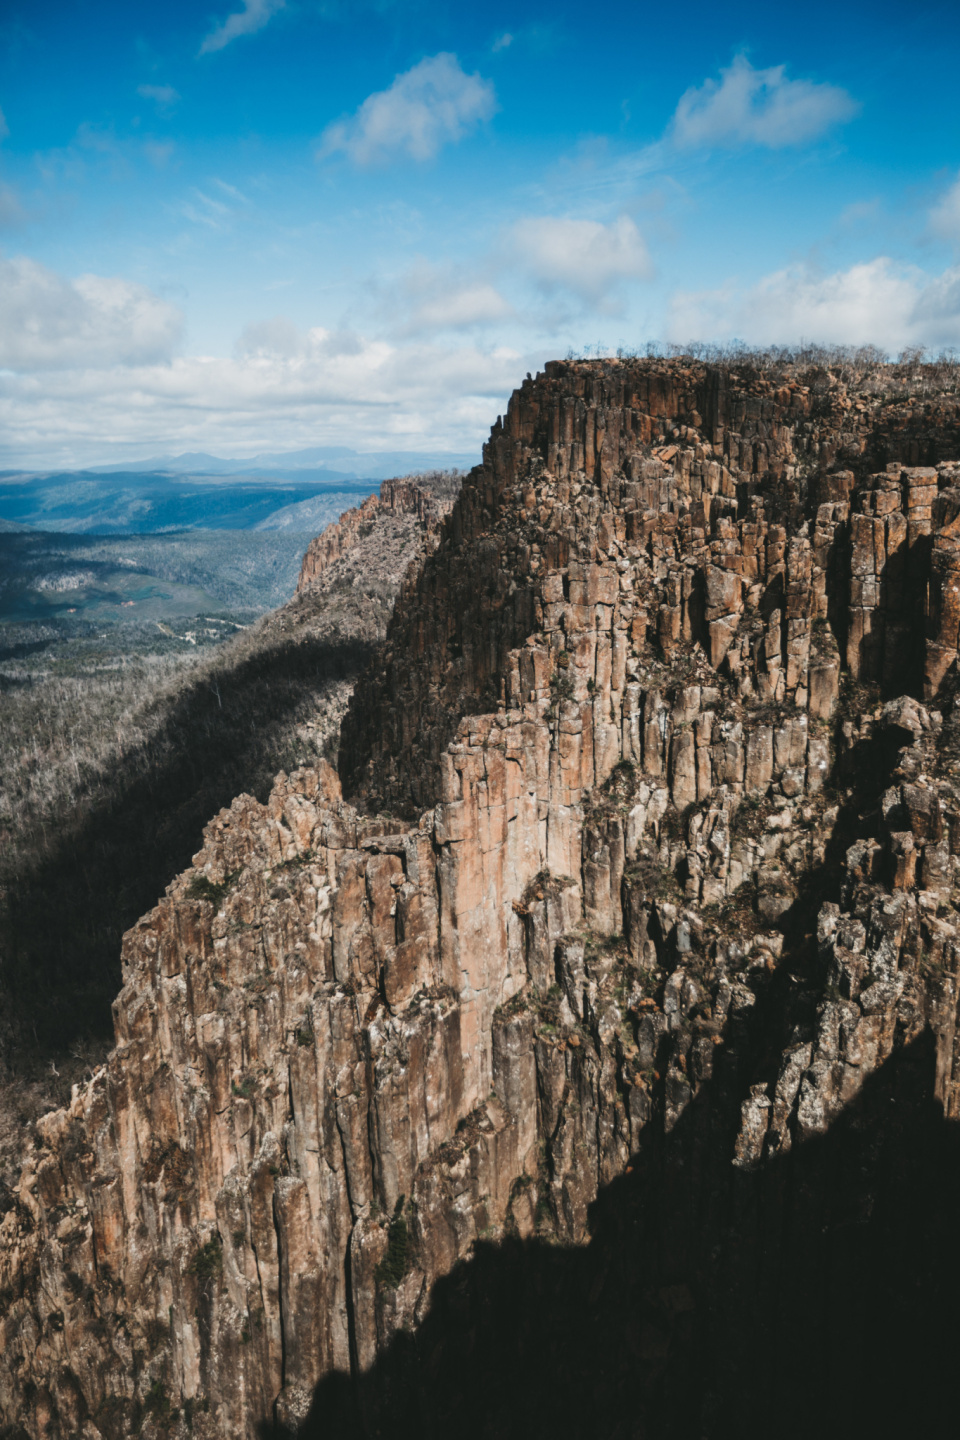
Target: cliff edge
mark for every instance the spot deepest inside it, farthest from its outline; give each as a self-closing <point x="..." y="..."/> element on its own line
<point x="645" y="882"/>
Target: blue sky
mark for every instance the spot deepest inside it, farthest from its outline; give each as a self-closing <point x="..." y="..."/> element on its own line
<point x="262" y="225"/>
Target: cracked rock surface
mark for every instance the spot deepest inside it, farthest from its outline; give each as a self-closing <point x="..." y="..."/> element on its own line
<point x="645" y="886"/>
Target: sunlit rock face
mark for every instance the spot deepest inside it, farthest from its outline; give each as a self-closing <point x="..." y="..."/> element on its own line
<point x="651" y="816"/>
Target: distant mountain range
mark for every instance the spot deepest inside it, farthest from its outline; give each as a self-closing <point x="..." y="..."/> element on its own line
<point x="334" y="461"/>
<point x="198" y="491"/>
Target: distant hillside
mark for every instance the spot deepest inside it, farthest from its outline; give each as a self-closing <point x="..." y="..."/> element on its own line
<point x="132" y="580"/>
<point x="309" y="516"/>
<point x="150" y="502"/>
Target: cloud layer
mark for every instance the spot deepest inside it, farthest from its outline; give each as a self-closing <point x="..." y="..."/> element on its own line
<point x="874" y="303"/>
<point x="49" y="323"/>
<point x="335" y="388"/>
<point x="758" y="107"/>
<point x="430" y="298"/>
<point x="583" y="256"/>
<point x="88" y="366"/>
<point x="434" y="104"/>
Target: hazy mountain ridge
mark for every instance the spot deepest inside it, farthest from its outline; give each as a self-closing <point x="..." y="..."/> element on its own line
<point x="199" y="491"/>
<point x="139" y="503"/>
<point x="338" y="460"/>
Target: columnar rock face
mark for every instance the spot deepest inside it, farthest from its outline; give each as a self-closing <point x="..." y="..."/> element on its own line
<point x="671" y="828"/>
<point x="695" y="510"/>
<point x="397" y="497"/>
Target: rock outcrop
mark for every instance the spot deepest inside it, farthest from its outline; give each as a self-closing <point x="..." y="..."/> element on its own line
<point x="655" y="814"/>
<point x="418" y="498"/>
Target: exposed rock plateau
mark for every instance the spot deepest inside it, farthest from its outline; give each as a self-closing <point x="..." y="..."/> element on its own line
<point x="638" y="936"/>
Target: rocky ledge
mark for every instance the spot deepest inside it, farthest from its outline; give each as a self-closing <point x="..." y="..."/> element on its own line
<point x="646" y="883"/>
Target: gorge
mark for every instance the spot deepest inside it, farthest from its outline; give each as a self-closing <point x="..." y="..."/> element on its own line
<point x="580" y="1053"/>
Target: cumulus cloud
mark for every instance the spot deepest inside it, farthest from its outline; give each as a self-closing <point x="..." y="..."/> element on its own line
<point x="433" y="104"/>
<point x="163" y="96"/>
<point x="49" y="323"/>
<point x="758" y="107"/>
<point x="874" y="303"/>
<point x="254" y="15"/>
<point x="945" y="215"/>
<point x="422" y="395"/>
<point x="583" y="256"/>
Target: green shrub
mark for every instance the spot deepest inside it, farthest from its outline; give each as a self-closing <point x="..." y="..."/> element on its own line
<point x="396" y="1262"/>
<point x="202" y="888"/>
<point x="208" y="1261"/>
<point x="157" y="1401"/>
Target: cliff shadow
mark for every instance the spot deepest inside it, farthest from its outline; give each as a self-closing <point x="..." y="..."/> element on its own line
<point x="814" y="1295"/>
<point x="70" y="895"/>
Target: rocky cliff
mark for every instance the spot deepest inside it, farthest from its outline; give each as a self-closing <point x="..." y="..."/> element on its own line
<point x="638" y="937"/>
<point x="425" y="499"/>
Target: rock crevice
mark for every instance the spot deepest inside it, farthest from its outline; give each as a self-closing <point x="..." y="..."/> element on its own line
<point x="652" y="808"/>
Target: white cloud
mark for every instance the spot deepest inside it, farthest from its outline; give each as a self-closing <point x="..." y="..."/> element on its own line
<point x="49" y="323"/>
<point x="583" y="256"/>
<point x="163" y="96"/>
<point x="434" y="103"/>
<point x="275" y="338"/>
<point x="4" y="127"/>
<point x="945" y="215"/>
<point x="430" y="298"/>
<point x="874" y="303"/>
<point x="254" y="15"/>
<point x="379" y="395"/>
<point x="758" y="107"/>
<point x="459" y="308"/>
<point x="503" y="42"/>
